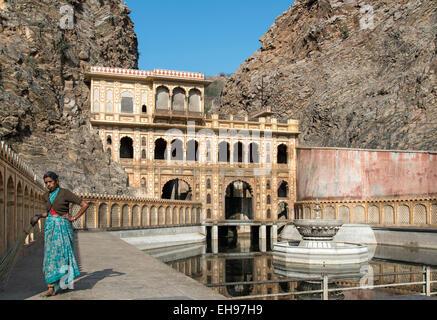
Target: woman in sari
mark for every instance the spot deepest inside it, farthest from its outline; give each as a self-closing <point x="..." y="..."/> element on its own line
<point x="59" y="266"/>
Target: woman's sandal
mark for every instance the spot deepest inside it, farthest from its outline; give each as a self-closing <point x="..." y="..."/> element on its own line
<point x="49" y="293"/>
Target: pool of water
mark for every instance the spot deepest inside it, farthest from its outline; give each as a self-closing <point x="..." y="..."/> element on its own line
<point x="242" y="261"/>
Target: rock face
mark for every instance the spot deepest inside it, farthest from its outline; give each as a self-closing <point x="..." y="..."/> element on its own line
<point x="355" y="73"/>
<point x="44" y="100"/>
<point x="213" y="92"/>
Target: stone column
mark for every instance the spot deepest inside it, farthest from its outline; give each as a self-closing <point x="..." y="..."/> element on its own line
<point x="214" y="239"/>
<point x="203" y="230"/>
<point x="168" y="150"/>
<point x="274" y="234"/>
<point x="262" y="238"/>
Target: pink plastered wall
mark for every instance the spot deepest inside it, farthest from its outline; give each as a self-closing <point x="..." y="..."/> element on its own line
<point x="327" y="173"/>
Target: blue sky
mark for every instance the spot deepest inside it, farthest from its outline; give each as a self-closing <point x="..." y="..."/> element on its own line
<point x="201" y="35"/>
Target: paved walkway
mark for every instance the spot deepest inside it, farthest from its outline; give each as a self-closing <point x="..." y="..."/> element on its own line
<point x="110" y="269"/>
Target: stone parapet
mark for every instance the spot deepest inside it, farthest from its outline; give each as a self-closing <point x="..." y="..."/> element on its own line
<point x="110" y="212"/>
<point x="419" y="211"/>
<point x="20" y="199"/>
<point x="8" y="155"/>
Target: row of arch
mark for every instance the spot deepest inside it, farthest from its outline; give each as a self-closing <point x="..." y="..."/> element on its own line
<point x="107" y="215"/>
<point x="174" y="151"/>
<point x="179" y="101"/>
<point x="282" y="212"/>
<point x="18" y="204"/>
<point x="403" y="214"/>
<point x="282" y="191"/>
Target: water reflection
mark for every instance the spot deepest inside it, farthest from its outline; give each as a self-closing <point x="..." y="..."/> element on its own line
<point x="242" y="261"/>
<point x="239" y="270"/>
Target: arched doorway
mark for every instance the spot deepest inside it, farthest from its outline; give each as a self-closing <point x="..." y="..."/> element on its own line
<point x="160" y="149"/>
<point x="282" y="154"/>
<point x="192" y="150"/>
<point x="238" y="201"/>
<point x="176" y="150"/>
<point x="176" y="189"/>
<point x="126" y="148"/>
<point x="283" y="190"/>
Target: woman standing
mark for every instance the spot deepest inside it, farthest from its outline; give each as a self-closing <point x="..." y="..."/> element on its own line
<point x="60" y="267"/>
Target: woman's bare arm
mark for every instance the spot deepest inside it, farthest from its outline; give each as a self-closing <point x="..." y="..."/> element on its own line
<point x="83" y="206"/>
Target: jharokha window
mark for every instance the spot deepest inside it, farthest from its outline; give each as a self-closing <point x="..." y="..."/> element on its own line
<point x="127" y="102"/>
<point x="194" y="101"/>
<point x="162" y="98"/>
<point x="96" y="100"/>
<point x="109" y="97"/>
<point x="178" y="103"/>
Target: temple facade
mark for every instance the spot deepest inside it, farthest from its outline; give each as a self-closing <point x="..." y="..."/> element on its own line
<point x="153" y="123"/>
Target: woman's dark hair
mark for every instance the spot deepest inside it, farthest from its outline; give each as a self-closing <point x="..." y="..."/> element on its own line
<point x="51" y="175"/>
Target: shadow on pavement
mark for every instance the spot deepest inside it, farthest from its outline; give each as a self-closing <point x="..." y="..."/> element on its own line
<point x="88" y="280"/>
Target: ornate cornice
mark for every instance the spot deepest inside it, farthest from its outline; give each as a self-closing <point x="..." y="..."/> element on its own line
<point x="146" y="75"/>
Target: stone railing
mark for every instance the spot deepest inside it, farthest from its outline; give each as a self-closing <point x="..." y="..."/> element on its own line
<point x="178" y="113"/>
<point x="145" y="74"/>
<point x="11" y="158"/>
<point x="218" y="121"/>
<point x="378" y="212"/>
<point x="20" y="198"/>
<point x="118" y="212"/>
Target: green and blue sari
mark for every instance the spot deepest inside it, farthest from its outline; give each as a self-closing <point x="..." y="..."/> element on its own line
<point x="59" y="266"/>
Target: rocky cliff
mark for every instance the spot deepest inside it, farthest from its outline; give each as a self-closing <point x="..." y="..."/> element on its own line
<point x="45" y="49"/>
<point x="355" y="73"/>
<point x="213" y="93"/>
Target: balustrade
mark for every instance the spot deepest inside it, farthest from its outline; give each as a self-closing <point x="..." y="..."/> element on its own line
<point x="118" y="212"/>
<point x="419" y="212"/>
<point x="20" y="199"/>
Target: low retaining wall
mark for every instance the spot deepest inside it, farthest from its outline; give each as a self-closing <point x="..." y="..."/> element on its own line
<point x="178" y="252"/>
<point x="405" y="254"/>
<point x="145" y="239"/>
<point x="407" y="237"/>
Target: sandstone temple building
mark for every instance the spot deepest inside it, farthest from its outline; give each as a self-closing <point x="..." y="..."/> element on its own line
<point x="153" y="123"/>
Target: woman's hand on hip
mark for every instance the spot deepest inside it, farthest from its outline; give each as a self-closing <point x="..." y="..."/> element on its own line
<point x="69" y="218"/>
